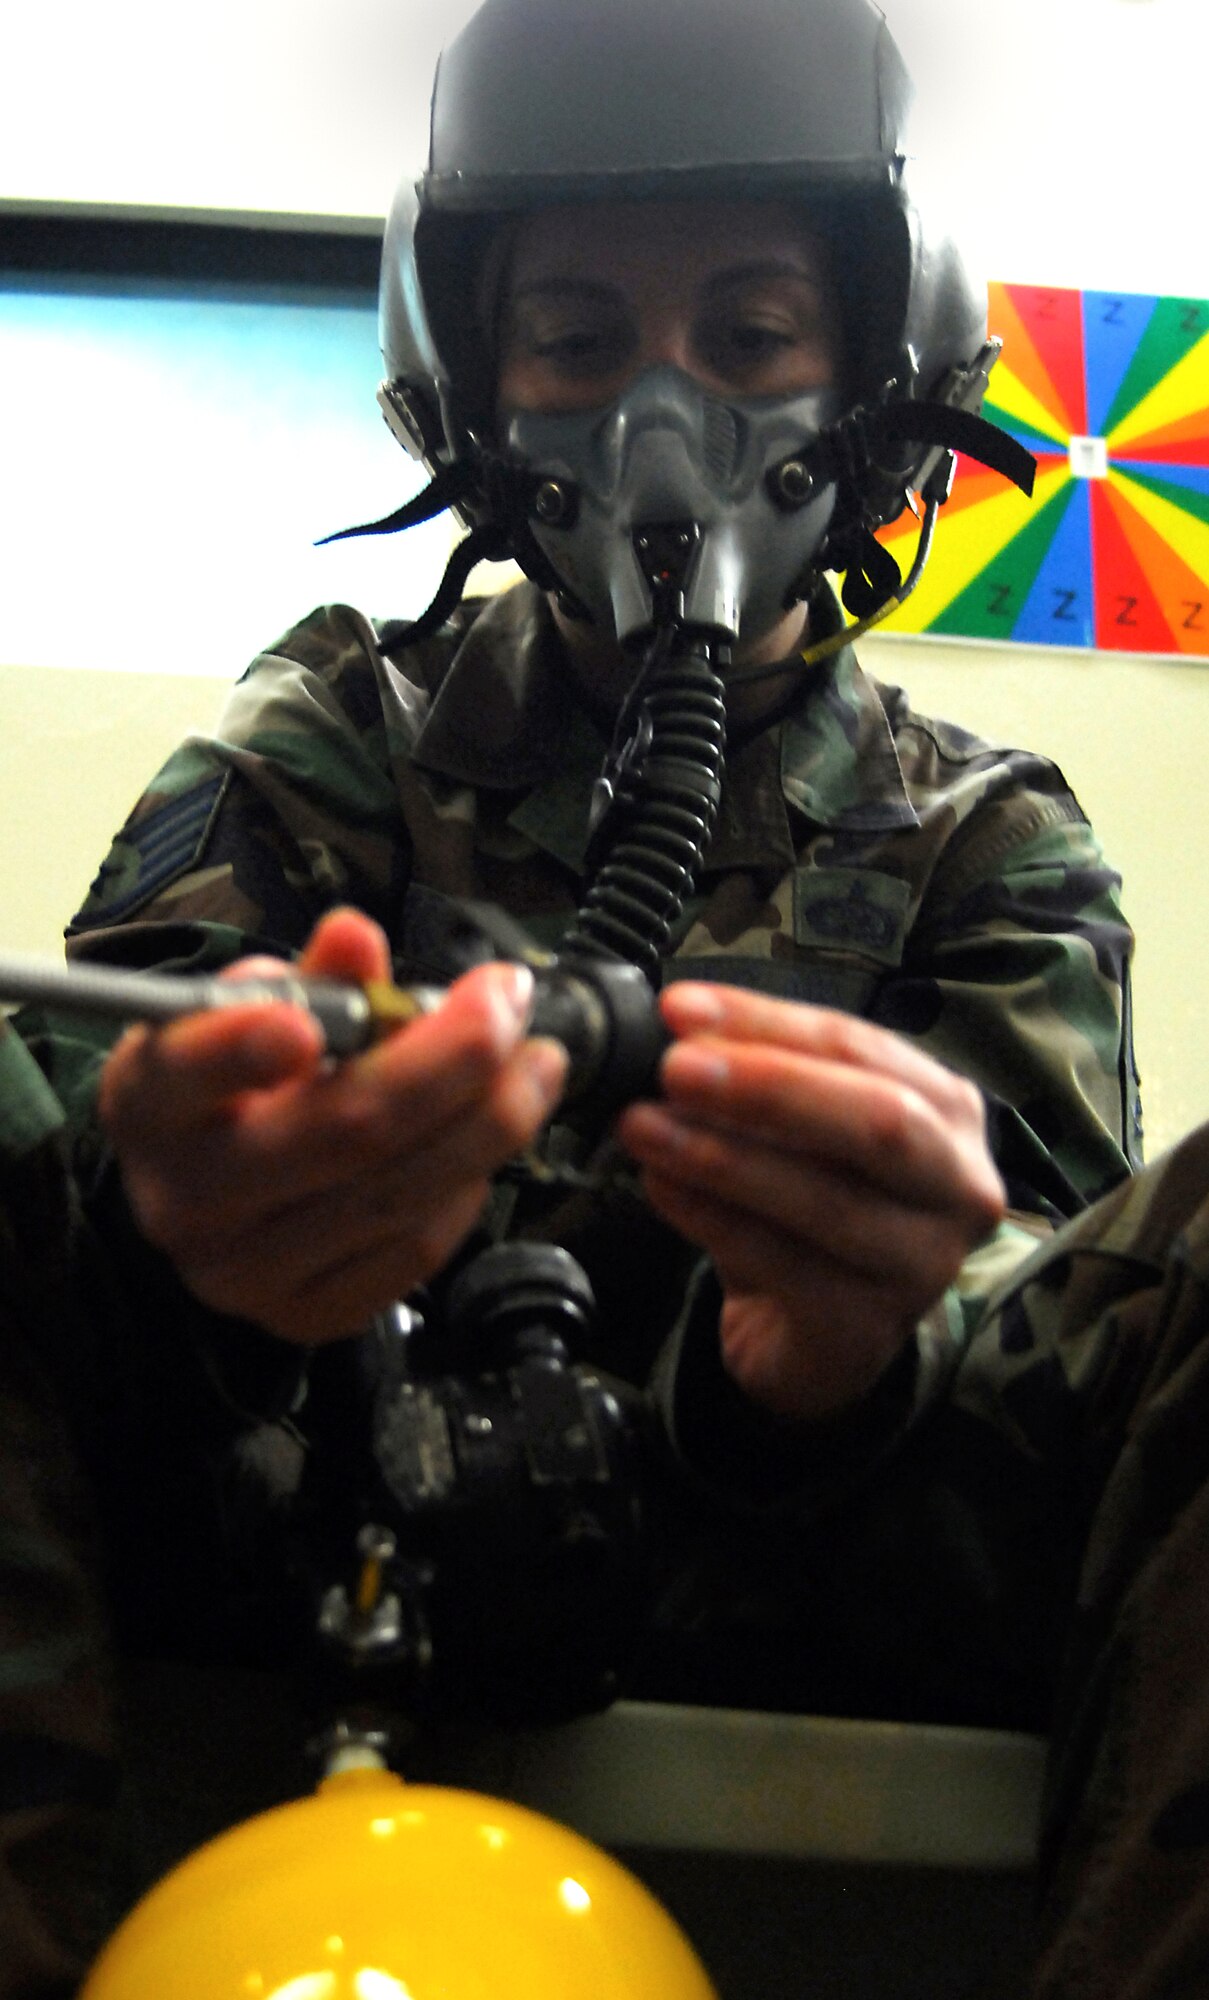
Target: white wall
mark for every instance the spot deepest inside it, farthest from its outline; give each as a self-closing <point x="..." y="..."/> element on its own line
<point x="1072" y="132"/>
<point x="1085" y="117"/>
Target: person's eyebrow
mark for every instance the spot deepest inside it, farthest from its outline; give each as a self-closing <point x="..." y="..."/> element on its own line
<point x="759" y="271"/>
<point x="589" y="291"/>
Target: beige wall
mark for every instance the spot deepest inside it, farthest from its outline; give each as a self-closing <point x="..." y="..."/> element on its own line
<point x="76" y="748"/>
<point x="1132" y="736"/>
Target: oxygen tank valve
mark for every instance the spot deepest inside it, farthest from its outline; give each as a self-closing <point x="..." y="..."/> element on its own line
<point x="364" y="1621"/>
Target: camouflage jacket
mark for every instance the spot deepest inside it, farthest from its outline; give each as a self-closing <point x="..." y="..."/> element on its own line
<point x="57" y="1738"/>
<point x="1112" y="1313"/>
<point x="864" y="857"/>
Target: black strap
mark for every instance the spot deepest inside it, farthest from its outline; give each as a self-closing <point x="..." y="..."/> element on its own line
<point x="850" y="451"/>
<point x="486" y="543"/>
<point x="956" y="430"/>
<point x="871" y="574"/>
<point x="451" y="484"/>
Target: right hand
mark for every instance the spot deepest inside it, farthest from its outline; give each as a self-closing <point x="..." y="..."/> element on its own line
<point x="307" y="1195"/>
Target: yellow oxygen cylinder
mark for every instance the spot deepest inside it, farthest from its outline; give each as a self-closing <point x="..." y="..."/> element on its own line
<point x="374" y="1889"/>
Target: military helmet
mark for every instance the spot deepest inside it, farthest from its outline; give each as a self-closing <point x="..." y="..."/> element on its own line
<point x="544" y="101"/>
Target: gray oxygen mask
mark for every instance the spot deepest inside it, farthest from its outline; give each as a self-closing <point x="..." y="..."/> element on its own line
<point x="672" y="503"/>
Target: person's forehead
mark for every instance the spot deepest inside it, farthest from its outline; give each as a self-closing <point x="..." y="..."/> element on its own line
<point x="615" y="242"/>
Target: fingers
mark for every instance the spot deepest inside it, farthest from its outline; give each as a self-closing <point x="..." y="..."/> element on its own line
<point x="290" y="1189"/>
<point x="849" y="1118"/>
<point x="801" y="1333"/>
<point x="819" y="1033"/>
<point x="720" y="1193"/>
<point x="836" y="1176"/>
<point x="318" y="1154"/>
<point x="809" y="1326"/>
<point x="347" y="945"/>
<point x="399" y="1098"/>
<point x="788" y="1112"/>
<point x="157" y="1082"/>
<point x="190" y="1076"/>
<point x="805" y="1334"/>
<point x="316" y="1268"/>
<point x="184" y="1074"/>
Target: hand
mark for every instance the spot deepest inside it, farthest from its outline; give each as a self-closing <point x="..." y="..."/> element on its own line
<point x="836" y="1176"/>
<point x="307" y="1195"/>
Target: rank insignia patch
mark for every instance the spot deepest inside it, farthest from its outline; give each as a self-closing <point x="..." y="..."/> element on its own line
<point x="151" y="852"/>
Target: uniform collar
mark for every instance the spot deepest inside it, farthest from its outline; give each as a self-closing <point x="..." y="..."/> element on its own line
<point x="506" y="717"/>
<point x="501" y="714"/>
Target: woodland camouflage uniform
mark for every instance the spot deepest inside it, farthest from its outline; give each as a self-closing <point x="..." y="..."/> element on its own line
<point x="909" y="1559"/>
<point x="57" y="1761"/>
<point x="864" y="858"/>
<point x="1113" y="1316"/>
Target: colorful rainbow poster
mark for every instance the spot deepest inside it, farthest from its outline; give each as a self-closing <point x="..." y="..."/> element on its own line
<point x="1111" y="392"/>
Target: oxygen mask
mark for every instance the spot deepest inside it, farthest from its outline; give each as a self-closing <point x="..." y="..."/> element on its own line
<point x="675" y="506"/>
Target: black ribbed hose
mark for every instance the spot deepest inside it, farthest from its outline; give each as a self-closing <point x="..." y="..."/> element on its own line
<point x="661" y="818"/>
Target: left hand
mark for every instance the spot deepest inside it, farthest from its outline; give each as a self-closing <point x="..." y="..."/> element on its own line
<point x="836" y="1176"/>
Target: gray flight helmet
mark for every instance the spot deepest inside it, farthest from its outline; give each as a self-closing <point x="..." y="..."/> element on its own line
<point x="538" y="102"/>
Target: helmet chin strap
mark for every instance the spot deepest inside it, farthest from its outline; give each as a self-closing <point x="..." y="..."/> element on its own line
<point x="854" y="453"/>
<point x="502" y="537"/>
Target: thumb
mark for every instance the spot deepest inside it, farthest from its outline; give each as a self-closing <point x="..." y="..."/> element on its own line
<point x="346" y="944"/>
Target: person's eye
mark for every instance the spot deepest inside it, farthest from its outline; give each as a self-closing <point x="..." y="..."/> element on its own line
<point x="755" y="339"/>
<point x="764" y="350"/>
<point x="747" y="342"/>
<point x="562" y="356"/>
<point x="575" y="347"/>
